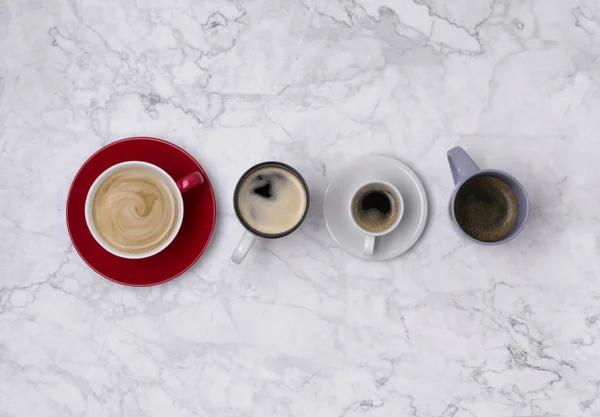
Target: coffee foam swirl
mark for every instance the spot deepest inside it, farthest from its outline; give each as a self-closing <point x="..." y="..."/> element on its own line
<point x="134" y="210"/>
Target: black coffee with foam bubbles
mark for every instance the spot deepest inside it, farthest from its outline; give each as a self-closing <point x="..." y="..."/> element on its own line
<point x="486" y="208"/>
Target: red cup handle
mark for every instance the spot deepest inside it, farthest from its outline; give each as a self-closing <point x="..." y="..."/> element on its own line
<point x="190" y="181"/>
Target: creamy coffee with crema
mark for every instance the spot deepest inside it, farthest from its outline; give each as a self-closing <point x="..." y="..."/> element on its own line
<point x="375" y="208"/>
<point x="135" y="210"/>
<point x="271" y="200"/>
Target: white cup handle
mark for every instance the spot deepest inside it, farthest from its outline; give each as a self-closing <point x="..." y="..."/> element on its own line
<point x="243" y="247"/>
<point x="369" y="245"/>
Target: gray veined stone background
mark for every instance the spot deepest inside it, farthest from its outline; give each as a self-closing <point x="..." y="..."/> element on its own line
<point x="302" y="328"/>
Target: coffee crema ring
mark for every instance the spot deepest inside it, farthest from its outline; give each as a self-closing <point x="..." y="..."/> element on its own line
<point x="272" y="200"/>
<point x="374" y="208"/>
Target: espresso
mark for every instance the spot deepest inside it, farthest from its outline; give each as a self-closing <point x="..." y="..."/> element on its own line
<point x="135" y="210"/>
<point x="486" y="208"/>
<point x="271" y="200"/>
<point x="375" y="208"/>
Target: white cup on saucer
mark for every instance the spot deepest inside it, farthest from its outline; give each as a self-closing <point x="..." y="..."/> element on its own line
<point x="344" y="184"/>
<point x="124" y="198"/>
<point x="376" y="208"/>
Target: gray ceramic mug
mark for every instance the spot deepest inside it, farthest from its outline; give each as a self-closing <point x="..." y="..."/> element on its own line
<point x="463" y="169"/>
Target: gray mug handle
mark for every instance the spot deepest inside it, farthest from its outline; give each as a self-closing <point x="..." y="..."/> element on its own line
<point x="461" y="164"/>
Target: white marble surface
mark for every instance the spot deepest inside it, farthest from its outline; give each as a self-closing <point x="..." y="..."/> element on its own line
<point x="301" y="328"/>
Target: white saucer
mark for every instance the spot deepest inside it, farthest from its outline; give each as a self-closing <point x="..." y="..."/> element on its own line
<point x="345" y="183"/>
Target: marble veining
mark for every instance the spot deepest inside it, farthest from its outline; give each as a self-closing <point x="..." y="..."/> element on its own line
<point x="450" y="329"/>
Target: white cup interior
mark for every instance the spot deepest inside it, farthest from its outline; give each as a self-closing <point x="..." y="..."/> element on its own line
<point x="392" y="189"/>
<point x="92" y="192"/>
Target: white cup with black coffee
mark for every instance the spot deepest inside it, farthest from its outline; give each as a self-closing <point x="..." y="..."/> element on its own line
<point x="271" y="201"/>
<point x="376" y="209"/>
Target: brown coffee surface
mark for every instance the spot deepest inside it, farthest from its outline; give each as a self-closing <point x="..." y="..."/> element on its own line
<point x="135" y="210"/>
<point x="486" y="208"/>
<point x="272" y="200"/>
<point x="375" y="208"/>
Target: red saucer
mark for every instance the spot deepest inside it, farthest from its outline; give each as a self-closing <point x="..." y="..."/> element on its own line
<point x="193" y="237"/>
